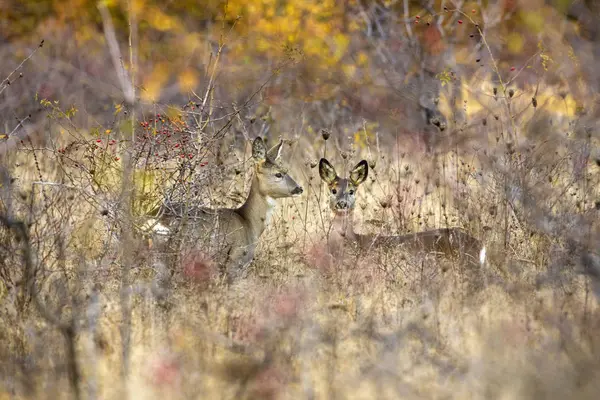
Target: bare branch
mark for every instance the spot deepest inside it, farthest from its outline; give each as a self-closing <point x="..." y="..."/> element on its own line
<point x="115" y="53"/>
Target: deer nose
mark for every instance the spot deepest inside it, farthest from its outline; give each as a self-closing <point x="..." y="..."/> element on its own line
<point x="342" y="204"/>
<point x="297" y="190"/>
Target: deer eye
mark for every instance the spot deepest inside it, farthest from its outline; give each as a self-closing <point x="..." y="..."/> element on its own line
<point x="279" y="175"/>
<point x="351" y="192"/>
<point x="333" y="191"/>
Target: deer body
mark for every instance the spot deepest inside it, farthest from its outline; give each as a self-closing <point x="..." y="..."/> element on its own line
<point x="229" y="236"/>
<point x="449" y="242"/>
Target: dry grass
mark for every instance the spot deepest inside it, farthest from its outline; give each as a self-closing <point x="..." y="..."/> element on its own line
<point x="384" y="324"/>
<point x="88" y="312"/>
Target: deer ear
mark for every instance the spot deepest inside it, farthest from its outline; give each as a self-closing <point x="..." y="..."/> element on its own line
<point x="275" y="151"/>
<point x="326" y="171"/>
<point x="359" y="173"/>
<point x="259" y="151"/>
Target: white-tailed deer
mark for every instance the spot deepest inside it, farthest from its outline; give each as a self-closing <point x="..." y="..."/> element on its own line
<point x="450" y="242"/>
<point x="228" y="236"/>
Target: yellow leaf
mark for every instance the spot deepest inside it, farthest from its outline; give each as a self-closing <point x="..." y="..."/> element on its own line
<point x="363" y="58"/>
<point x="358" y="140"/>
<point x="349" y="70"/>
<point x="341" y="44"/>
<point x="147" y="186"/>
<point x="554" y="103"/>
<point x="3" y="136"/>
<point x="154" y="83"/>
<point x="174" y="114"/>
<point x="188" y="79"/>
<point x="534" y="20"/>
<point x="109" y="3"/>
<point x="515" y="42"/>
<point x="137" y="7"/>
<point x="161" y="21"/>
<point x="190" y="42"/>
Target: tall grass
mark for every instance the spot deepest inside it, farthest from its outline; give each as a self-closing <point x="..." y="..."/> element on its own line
<point x="510" y="166"/>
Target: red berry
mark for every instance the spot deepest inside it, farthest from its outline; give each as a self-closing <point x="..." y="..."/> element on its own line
<point x="460" y="21"/>
<point x="512" y="68"/>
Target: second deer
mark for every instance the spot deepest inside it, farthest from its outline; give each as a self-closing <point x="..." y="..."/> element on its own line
<point x="449" y="242"/>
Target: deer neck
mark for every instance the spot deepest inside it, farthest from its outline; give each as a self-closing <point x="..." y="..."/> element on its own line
<point x="342" y="226"/>
<point x="257" y="210"/>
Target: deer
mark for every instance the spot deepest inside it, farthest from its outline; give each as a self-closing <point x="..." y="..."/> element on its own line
<point x="448" y="242"/>
<point x="229" y="236"/>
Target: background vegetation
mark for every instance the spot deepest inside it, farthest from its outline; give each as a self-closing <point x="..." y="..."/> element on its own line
<point x="479" y="114"/>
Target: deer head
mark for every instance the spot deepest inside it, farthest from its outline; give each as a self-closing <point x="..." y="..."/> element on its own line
<point x="342" y="191"/>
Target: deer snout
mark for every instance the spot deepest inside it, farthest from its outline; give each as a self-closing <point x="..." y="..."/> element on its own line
<point x="297" y="190"/>
<point x="341" y="205"/>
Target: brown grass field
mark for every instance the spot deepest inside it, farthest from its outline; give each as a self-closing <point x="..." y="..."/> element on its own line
<point x="91" y="307"/>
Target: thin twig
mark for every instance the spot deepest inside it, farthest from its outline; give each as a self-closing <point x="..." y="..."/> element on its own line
<point x="6" y="82"/>
<point x="15" y="138"/>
